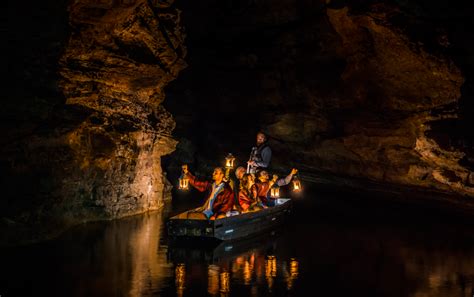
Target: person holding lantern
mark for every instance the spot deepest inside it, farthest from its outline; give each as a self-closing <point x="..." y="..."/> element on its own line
<point x="261" y="188"/>
<point x="247" y="194"/>
<point x="260" y="155"/>
<point x="220" y="198"/>
<point x="266" y="186"/>
<point x="234" y="182"/>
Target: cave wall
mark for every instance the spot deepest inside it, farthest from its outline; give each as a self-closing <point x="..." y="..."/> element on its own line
<point x="85" y="124"/>
<point x="369" y="90"/>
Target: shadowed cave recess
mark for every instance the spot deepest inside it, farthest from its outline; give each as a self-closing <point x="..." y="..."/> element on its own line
<point x="103" y="98"/>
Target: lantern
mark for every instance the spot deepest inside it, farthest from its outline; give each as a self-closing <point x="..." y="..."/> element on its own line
<point x="183" y="183"/>
<point x="296" y="184"/>
<point x="229" y="161"/>
<point x="275" y="192"/>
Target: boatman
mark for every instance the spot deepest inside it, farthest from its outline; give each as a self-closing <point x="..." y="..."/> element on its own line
<point x="260" y="156"/>
<point x="220" y="198"/>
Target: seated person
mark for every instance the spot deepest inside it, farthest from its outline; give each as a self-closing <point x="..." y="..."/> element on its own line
<point x="234" y="181"/>
<point x="264" y="185"/>
<point x="235" y="185"/>
<point x="220" y="197"/>
<point x="261" y="188"/>
<point x="247" y="198"/>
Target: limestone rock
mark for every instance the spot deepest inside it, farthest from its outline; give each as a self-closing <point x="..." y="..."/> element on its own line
<point x="96" y="154"/>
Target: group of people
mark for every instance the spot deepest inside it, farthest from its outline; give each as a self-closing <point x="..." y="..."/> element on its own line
<point x="248" y="191"/>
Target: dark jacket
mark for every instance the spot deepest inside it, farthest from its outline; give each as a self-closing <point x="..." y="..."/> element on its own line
<point x="262" y="155"/>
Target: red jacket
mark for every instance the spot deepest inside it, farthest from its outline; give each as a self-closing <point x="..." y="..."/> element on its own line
<point x="245" y="200"/>
<point x="260" y="190"/>
<point x="224" y="200"/>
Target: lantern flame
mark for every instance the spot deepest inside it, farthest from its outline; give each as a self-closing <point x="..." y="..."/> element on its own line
<point x="275" y="192"/>
<point x="296" y="184"/>
<point x="229" y="161"/>
<point x="183" y="183"/>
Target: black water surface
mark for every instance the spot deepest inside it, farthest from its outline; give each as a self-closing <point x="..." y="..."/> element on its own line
<point x="334" y="244"/>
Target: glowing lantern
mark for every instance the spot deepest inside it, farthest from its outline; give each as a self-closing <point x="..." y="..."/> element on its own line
<point x="296" y="184"/>
<point x="275" y="192"/>
<point x="183" y="183"/>
<point x="229" y="161"/>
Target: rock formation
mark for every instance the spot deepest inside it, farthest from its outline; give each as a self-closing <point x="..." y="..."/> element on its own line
<point x="366" y="90"/>
<point x="96" y="152"/>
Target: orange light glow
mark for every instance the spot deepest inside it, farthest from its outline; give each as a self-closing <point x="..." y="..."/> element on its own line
<point x="213" y="279"/>
<point x="293" y="273"/>
<point x="296" y="184"/>
<point x="229" y="161"/>
<point x="270" y="271"/>
<point x="183" y="183"/>
<point x="180" y="274"/>
<point x="225" y="282"/>
<point x="275" y="192"/>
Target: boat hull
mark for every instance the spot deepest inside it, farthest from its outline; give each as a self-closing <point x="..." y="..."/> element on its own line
<point x="232" y="227"/>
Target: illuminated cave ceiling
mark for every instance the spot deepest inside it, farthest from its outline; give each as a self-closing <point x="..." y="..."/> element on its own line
<point x="379" y="90"/>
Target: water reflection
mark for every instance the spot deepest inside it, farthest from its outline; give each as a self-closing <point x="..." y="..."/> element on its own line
<point x="247" y="265"/>
<point x="213" y="280"/>
<point x="270" y="271"/>
<point x="180" y="275"/>
<point x="224" y="282"/>
<point x="131" y="257"/>
<point x="293" y="275"/>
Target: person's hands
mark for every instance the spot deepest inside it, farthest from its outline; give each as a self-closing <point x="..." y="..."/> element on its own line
<point x="275" y="178"/>
<point x="185" y="168"/>
<point x="252" y="163"/>
<point x="294" y="171"/>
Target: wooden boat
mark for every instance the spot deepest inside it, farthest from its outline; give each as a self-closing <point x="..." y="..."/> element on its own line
<point x="232" y="227"/>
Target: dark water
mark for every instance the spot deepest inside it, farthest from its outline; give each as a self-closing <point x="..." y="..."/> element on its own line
<point x="334" y="244"/>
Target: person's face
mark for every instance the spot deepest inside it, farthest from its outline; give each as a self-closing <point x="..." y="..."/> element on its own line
<point x="250" y="180"/>
<point x="260" y="138"/>
<point x="217" y="175"/>
<point x="240" y="173"/>
<point x="263" y="176"/>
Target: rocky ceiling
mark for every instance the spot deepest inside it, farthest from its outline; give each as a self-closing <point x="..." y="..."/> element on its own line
<point x="374" y="90"/>
<point x="379" y="90"/>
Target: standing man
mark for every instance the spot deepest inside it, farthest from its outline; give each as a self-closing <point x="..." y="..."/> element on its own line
<point x="260" y="156"/>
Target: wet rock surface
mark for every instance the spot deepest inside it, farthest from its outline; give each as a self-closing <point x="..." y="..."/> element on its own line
<point x="85" y="124"/>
